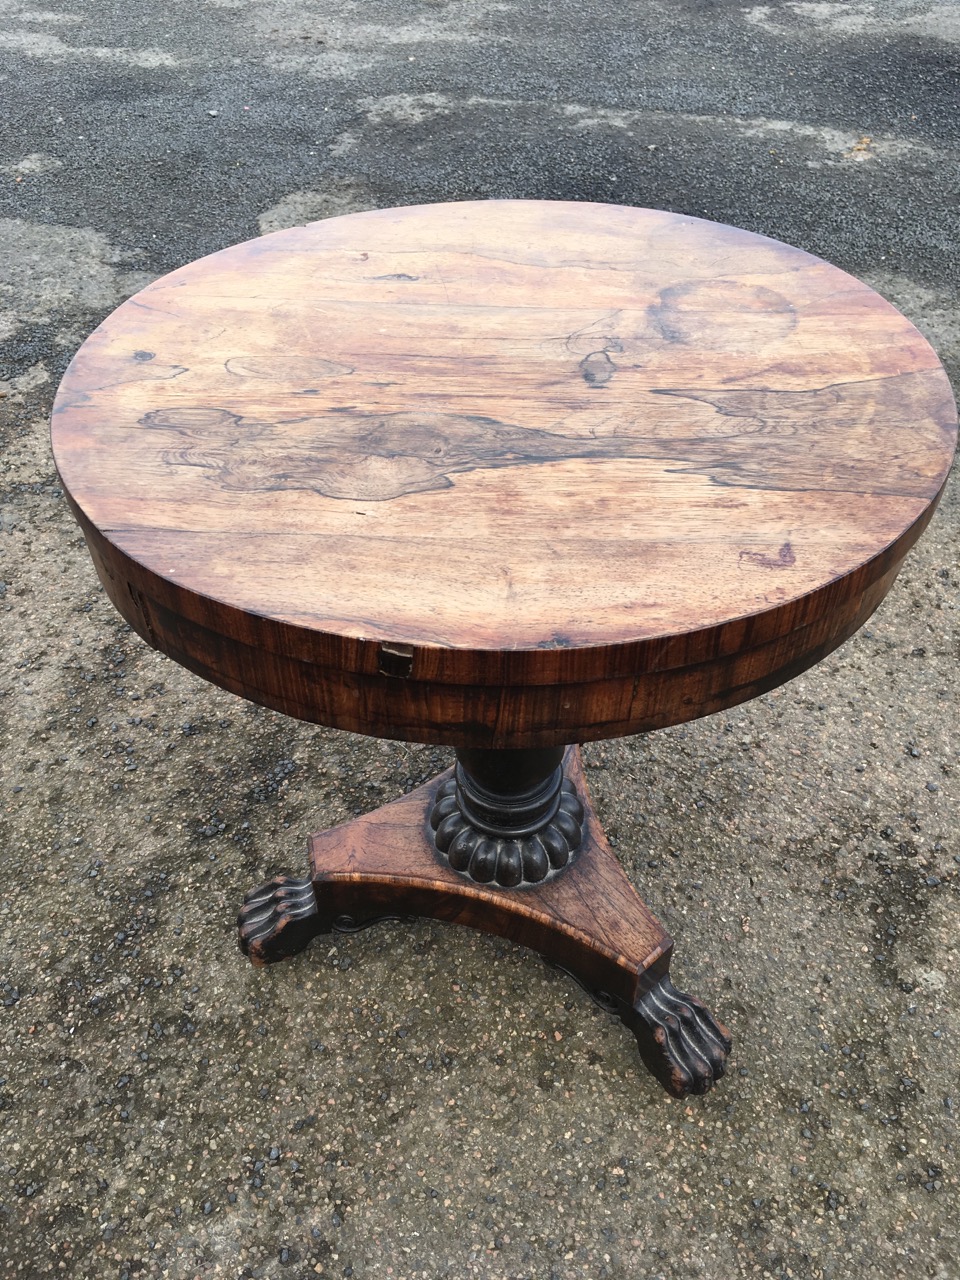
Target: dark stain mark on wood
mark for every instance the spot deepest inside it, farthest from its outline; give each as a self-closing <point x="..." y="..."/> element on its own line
<point x="784" y="558"/>
<point x="144" y="355"/>
<point x="722" y="315"/>
<point x="360" y="456"/>
<point x="597" y="369"/>
<point x="396" y="275"/>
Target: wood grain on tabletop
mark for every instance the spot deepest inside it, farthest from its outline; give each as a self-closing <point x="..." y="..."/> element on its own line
<point x="503" y="473"/>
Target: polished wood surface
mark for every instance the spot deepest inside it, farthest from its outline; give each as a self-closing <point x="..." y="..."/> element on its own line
<point x="503" y="474"/>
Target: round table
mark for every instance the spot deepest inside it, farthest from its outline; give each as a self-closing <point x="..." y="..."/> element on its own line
<point x="507" y="476"/>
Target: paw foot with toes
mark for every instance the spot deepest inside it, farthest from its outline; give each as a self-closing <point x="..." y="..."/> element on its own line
<point x="684" y="1045"/>
<point x="278" y="919"/>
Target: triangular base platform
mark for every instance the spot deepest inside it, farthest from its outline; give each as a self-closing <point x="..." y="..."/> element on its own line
<point x="587" y="919"/>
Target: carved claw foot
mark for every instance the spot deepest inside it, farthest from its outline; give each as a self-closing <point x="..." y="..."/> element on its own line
<point x="681" y="1042"/>
<point x="278" y="919"/>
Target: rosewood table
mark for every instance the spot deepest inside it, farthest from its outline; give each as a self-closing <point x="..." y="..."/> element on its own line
<point x="505" y="476"/>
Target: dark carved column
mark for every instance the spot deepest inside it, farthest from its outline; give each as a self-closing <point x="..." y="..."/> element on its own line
<point x="508" y="817"/>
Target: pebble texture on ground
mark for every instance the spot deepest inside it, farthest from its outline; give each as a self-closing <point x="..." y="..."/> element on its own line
<point x="418" y="1101"/>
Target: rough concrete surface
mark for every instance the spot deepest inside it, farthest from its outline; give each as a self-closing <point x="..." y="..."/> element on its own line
<point x="417" y="1100"/>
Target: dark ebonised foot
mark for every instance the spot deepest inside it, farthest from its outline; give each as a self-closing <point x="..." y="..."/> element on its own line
<point x="681" y="1042"/>
<point x="278" y="919"/>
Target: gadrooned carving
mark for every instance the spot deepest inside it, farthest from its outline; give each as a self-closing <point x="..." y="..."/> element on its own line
<point x="515" y="851"/>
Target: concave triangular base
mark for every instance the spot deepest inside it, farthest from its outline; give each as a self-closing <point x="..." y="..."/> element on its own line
<point x="587" y="919"/>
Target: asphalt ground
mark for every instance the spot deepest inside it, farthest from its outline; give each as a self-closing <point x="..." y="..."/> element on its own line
<point x="419" y="1101"/>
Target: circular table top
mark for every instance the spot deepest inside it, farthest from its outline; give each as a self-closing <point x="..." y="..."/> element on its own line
<point x="502" y="443"/>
